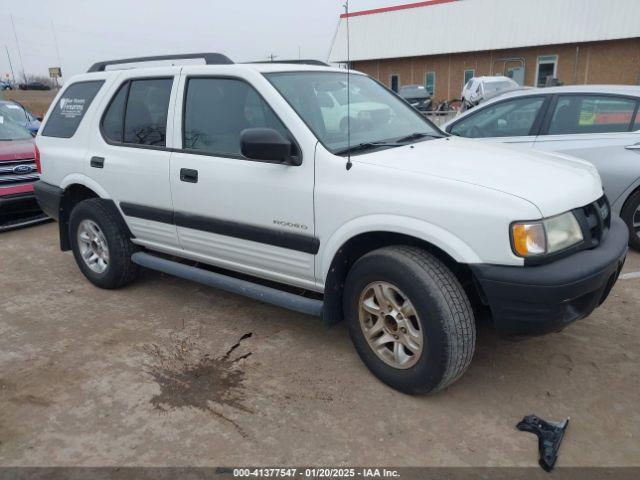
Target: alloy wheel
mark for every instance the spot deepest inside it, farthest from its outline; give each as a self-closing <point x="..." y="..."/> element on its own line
<point x="93" y="246"/>
<point x="391" y="325"/>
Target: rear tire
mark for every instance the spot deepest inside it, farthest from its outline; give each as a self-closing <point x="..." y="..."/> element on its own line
<point x="427" y="336"/>
<point x="631" y="216"/>
<point x="101" y="245"/>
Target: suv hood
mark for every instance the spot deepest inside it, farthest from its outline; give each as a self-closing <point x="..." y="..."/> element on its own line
<point x="554" y="183"/>
<point x="16" y="150"/>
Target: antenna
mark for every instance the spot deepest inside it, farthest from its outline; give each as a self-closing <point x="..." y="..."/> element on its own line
<point x="349" y="164"/>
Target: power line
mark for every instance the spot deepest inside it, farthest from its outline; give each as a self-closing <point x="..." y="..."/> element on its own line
<point x="13" y="75"/>
<point x="55" y="40"/>
<point x="15" y="34"/>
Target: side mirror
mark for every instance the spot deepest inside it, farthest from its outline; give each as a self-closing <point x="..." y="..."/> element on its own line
<point x="39" y="118"/>
<point x="268" y="145"/>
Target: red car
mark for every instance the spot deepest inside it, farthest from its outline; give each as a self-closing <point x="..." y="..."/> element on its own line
<point x="18" y="172"/>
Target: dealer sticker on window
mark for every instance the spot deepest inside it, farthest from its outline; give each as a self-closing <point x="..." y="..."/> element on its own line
<point x="71" y="107"/>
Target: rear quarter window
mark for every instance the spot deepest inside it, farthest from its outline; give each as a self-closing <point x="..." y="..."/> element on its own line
<point x="71" y="109"/>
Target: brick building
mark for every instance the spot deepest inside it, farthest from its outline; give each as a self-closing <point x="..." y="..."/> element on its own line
<point x="443" y="43"/>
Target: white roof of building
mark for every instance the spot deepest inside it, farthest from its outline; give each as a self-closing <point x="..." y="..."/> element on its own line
<point x="450" y="26"/>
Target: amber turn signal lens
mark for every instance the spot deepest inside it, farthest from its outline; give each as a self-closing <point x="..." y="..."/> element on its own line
<point x="528" y="239"/>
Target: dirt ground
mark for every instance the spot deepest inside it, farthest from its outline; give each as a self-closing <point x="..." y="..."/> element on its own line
<point x="36" y="101"/>
<point x="167" y="372"/>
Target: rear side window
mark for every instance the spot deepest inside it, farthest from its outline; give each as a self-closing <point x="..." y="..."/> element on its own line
<point x="113" y="120"/>
<point x="512" y="118"/>
<point x="591" y="114"/>
<point x="70" y="109"/>
<point x="137" y="114"/>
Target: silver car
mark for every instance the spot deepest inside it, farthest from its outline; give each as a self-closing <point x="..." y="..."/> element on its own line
<point x="600" y="124"/>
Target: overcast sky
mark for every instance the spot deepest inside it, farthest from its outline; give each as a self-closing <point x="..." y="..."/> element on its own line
<point x="91" y="30"/>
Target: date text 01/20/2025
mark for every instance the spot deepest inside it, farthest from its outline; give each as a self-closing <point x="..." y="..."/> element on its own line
<point x="309" y="473"/>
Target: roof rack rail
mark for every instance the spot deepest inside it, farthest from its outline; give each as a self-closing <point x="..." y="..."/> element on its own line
<point x="318" y="63"/>
<point x="209" y="58"/>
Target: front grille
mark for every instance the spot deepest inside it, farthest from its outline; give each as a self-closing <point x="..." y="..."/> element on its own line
<point x="595" y="220"/>
<point x="16" y="172"/>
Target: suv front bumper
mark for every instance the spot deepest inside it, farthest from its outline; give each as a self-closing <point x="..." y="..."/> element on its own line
<point x="540" y="299"/>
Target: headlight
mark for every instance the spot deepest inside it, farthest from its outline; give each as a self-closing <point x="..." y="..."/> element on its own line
<point x="545" y="236"/>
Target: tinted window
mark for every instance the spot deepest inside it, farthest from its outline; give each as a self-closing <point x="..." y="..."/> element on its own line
<point x="591" y="114"/>
<point x="70" y="109"/>
<point x="145" y="120"/>
<point x="113" y="120"/>
<point x="512" y="118"/>
<point x="217" y="110"/>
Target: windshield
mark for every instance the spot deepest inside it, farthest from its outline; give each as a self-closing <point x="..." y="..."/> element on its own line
<point x="13" y="112"/>
<point x="12" y="131"/>
<point x="376" y="115"/>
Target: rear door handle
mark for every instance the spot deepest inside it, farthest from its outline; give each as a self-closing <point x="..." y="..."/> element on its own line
<point x="188" y="175"/>
<point x="97" y="162"/>
<point x="633" y="147"/>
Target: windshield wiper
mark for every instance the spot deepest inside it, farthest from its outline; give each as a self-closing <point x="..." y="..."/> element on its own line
<point x="367" y="146"/>
<point x="416" y="136"/>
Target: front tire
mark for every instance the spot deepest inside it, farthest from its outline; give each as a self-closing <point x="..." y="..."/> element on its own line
<point x="409" y="318"/>
<point x="631" y="216"/>
<point x="101" y="245"/>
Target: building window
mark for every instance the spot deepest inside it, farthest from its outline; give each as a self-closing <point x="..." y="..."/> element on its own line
<point x="395" y="83"/>
<point x="547" y="67"/>
<point x="430" y="83"/>
<point x="468" y="75"/>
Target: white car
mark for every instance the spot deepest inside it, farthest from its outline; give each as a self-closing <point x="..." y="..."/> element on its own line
<point x="598" y="123"/>
<point x="479" y="89"/>
<point x="396" y="228"/>
<point x="336" y="110"/>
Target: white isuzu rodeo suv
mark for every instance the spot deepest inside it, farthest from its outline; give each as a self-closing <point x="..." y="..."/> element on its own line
<point x="239" y="176"/>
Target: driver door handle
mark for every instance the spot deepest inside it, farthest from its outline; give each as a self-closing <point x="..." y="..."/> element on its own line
<point x="633" y="147"/>
<point x="188" y="175"/>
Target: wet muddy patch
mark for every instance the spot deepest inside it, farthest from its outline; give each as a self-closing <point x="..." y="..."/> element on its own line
<point x="188" y="377"/>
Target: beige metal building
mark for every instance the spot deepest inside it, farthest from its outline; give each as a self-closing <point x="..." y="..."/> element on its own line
<point x="443" y="43"/>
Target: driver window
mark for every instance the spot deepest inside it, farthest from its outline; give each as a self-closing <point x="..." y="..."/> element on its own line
<point x="217" y="110"/>
<point x="512" y="118"/>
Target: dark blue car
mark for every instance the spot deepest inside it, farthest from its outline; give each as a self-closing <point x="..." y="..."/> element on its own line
<point x="14" y="112"/>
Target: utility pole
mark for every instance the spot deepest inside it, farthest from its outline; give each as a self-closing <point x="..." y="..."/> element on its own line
<point x="24" y="77"/>
<point x="13" y="75"/>
<point x="55" y="41"/>
<point x="272" y="57"/>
